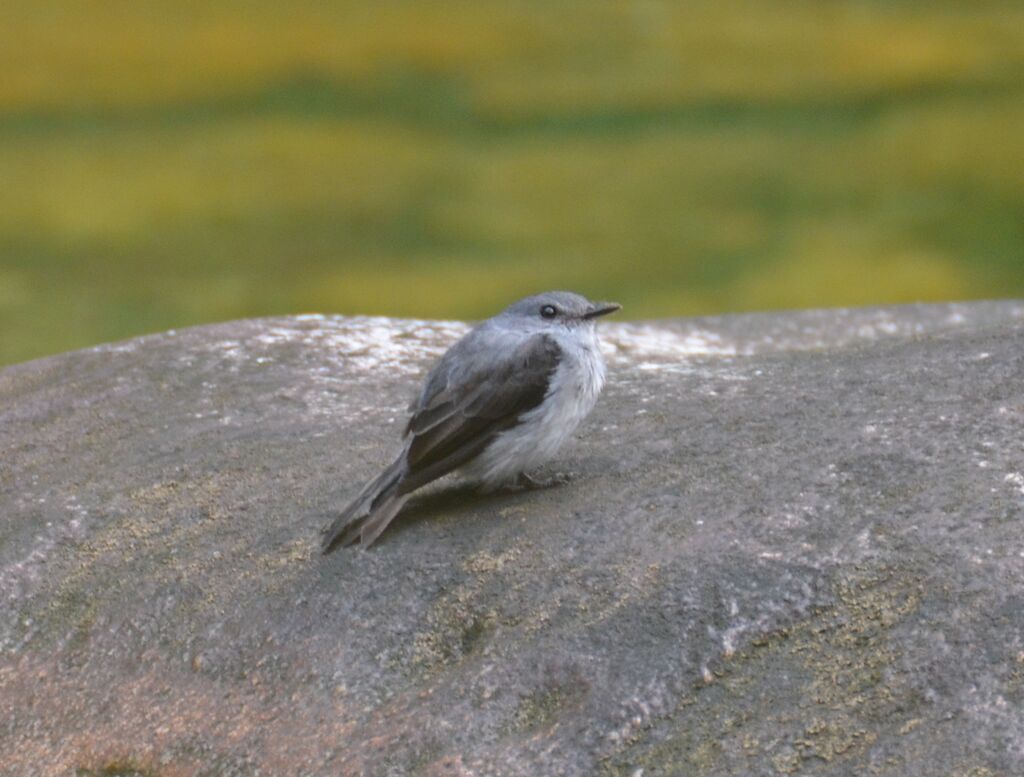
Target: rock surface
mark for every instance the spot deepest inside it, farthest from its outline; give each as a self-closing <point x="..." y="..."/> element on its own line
<point x="794" y="545"/>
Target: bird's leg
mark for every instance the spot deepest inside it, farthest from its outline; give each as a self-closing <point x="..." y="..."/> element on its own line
<point x="557" y="479"/>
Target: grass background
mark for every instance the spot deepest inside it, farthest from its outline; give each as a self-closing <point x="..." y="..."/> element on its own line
<point x="168" y="162"/>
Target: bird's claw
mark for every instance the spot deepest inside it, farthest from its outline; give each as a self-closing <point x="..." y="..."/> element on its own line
<point x="557" y="479"/>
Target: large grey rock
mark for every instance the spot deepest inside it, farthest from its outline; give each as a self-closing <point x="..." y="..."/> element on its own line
<point x="794" y="545"/>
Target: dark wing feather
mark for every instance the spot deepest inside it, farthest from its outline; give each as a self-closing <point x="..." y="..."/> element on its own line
<point x="458" y="421"/>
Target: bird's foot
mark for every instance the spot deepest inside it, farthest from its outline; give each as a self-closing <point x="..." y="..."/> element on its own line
<point x="557" y="479"/>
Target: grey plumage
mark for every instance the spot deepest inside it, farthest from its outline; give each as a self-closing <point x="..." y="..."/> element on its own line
<point x="502" y="399"/>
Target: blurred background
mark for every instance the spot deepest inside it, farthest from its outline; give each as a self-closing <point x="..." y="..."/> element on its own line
<point x="166" y="163"/>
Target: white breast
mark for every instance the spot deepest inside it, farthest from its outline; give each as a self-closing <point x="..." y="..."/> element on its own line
<point x="543" y="431"/>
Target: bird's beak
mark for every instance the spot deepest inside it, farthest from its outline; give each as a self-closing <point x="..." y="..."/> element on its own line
<point x="598" y="309"/>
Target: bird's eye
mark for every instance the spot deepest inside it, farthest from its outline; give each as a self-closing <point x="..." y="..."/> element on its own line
<point x="548" y="311"/>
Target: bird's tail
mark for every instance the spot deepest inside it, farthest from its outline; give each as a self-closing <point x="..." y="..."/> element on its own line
<point x="369" y="513"/>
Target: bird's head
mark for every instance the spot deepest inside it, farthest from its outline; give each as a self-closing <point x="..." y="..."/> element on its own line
<point x="554" y="309"/>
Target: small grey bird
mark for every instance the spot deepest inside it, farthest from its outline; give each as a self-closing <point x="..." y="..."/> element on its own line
<point x="500" y="401"/>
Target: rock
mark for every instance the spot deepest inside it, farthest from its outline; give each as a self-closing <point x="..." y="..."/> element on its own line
<point x="793" y="546"/>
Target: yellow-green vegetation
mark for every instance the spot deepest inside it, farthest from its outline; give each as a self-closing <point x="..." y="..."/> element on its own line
<point x="169" y="163"/>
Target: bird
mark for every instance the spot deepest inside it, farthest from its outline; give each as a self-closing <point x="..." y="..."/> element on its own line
<point x="502" y="400"/>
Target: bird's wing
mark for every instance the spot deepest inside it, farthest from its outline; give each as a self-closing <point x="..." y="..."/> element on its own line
<point x="458" y="418"/>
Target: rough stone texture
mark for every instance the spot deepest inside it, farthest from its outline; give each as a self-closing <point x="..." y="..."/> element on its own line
<point x="794" y="545"/>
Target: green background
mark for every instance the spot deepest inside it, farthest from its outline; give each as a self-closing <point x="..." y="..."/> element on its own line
<point x="169" y="163"/>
